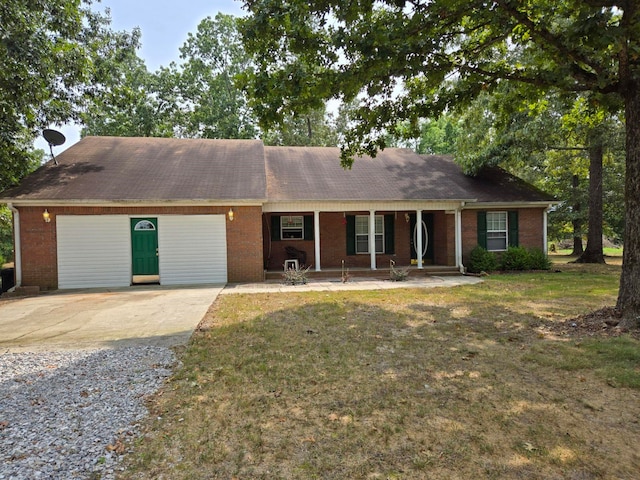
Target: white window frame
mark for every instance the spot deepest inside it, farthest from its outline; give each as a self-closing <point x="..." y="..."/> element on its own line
<point x="364" y="222"/>
<point x="144" y="225"/>
<point x="494" y="233"/>
<point x="293" y="228"/>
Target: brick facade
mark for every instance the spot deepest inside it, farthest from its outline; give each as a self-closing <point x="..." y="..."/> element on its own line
<point x="530" y="224"/>
<point x="38" y="244"/>
<point x="39" y="251"/>
<point x="250" y="249"/>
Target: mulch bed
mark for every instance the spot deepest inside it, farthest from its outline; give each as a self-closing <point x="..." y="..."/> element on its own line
<point x="603" y="323"/>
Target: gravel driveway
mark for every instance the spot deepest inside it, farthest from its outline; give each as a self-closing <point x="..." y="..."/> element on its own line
<point x="65" y="414"/>
<point x="75" y="370"/>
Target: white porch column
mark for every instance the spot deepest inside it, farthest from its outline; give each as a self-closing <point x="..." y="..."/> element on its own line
<point x="458" y="239"/>
<point x="316" y="237"/>
<point x="372" y="238"/>
<point x="419" y="238"/>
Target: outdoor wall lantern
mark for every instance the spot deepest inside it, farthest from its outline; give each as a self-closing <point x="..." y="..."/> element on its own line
<point x="230" y="214"/>
<point x="45" y="216"/>
<point x="406" y="217"/>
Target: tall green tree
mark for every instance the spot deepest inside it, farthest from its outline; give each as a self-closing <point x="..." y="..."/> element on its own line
<point x="131" y="101"/>
<point x="513" y="129"/>
<point x="212" y="101"/>
<point x="312" y="129"/>
<point x="20" y="168"/>
<point x="439" y="136"/>
<point x="434" y="136"/>
<point x="49" y="64"/>
<point x="410" y="60"/>
<point x="597" y="130"/>
<point x="6" y="235"/>
<point x="196" y="98"/>
<point x="213" y="106"/>
<point x="17" y="157"/>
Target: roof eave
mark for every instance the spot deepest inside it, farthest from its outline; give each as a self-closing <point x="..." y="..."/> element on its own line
<point x="376" y="200"/>
<point x="517" y="204"/>
<point x="137" y="202"/>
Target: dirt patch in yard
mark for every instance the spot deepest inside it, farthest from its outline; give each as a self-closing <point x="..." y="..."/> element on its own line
<point x="599" y="323"/>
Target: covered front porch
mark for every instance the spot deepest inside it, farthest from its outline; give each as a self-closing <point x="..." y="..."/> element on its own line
<point x="333" y="237"/>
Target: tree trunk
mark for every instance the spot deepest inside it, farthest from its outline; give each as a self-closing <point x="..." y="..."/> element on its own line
<point x="629" y="294"/>
<point x="593" y="252"/>
<point x="577" y="242"/>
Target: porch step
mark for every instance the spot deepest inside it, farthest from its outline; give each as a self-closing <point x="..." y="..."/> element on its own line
<point x="382" y="273"/>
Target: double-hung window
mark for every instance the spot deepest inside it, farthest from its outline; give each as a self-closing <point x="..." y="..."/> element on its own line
<point x="292" y="227"/>
<point x="362" y="233"/>
<point x="497" y="231"/>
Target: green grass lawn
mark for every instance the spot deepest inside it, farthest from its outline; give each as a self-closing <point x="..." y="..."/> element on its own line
<point x="459" y="383"/>
<point x="608" y="252"/>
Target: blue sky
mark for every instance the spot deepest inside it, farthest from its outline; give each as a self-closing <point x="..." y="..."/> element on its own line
<point x="164" y="25"/>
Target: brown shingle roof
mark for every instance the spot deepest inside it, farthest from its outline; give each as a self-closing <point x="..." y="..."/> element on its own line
<point x="493" y="184"/>
<point x="115" y="169"/>
<point x="314" y="173"/>
<point x="139" y="169"/>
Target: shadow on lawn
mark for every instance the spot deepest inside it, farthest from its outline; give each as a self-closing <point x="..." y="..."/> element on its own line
<point x="393" y="386"/>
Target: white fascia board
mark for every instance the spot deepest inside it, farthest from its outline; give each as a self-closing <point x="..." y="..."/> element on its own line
<point x="359" y="205"/>
<point x="508" y="205"/>
<point x="139" y="203"/>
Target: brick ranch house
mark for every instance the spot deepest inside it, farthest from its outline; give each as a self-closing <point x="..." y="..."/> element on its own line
<point x="118" y="211"/>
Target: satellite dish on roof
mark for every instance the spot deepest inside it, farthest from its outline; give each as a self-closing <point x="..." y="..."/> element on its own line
<point x="54" y="138"/>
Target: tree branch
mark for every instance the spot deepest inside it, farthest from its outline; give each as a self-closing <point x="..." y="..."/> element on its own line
<point x="575" y="57"/>
<point x="568" y="148"/>
<point x="602" y="3"/>
<point x="540" y="81"/>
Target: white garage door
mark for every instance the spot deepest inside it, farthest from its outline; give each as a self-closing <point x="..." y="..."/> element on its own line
<point x="93" y="251"/>
<point x="192" y="248"/>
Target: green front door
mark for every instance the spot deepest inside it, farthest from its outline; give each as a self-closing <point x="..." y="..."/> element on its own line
<point x="144" y="250"/>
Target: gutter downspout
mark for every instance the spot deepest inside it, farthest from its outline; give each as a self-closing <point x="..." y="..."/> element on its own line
<point x="17" y="252"/>
<point x="458" y="235"/>
<point x="545" y="225"/>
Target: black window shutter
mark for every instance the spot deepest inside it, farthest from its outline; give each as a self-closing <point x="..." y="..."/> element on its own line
<point x="513" y="229"/>
<point x="389" y="234"/>
<point x="308" y="227"/>
<point x="351" y="234"/>
<point x="275" y="228"/>
<point x="482" y="229"/>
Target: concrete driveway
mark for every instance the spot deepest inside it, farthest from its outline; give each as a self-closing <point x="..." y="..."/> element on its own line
<point x="104" y="318"/>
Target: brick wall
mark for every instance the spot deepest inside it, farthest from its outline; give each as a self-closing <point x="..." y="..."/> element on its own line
<point x="244" y="245"/>
<point x="38" y="239"/>
<point x="38" y="242"/>
<point x="445" y="227"/>
<point x="530" y="223"/>
<point x="530" y="234"/>
<point x="249" y="244"/>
